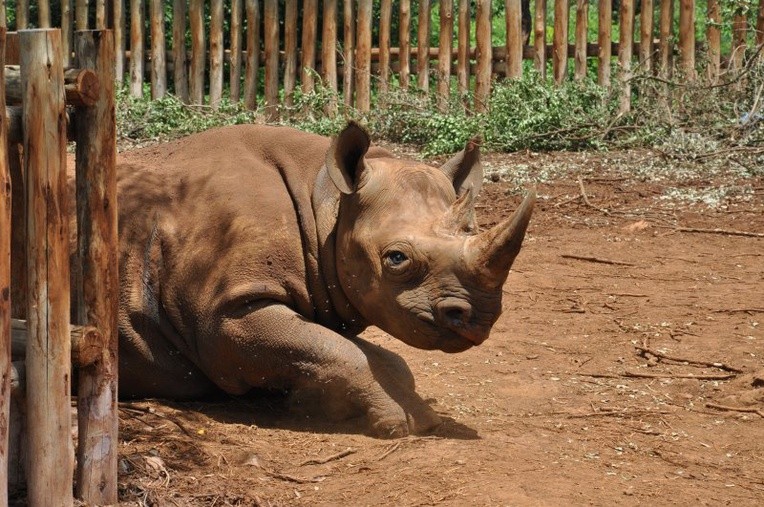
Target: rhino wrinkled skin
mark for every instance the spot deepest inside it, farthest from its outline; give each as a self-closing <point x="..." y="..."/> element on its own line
<point x="252" y="256"/>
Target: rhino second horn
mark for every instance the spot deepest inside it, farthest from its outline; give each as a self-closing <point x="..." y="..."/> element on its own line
<point x="492" y="252"/>
<point x="460" y="217"/>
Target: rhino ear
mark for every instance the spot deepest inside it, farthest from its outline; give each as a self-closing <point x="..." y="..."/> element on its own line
<point x="344" y="160"/>
<point x="465" y="169"/>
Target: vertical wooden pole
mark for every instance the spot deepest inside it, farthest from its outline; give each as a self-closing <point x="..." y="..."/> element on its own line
<point x="760" y="24"/>
<point x="99" y="287"/>
<point x="665" y="45"/>
<point x="646" y="35"/>
<point x="363" y="56"/>
<point x="253" y="53"/>
<point x="348" y="51"/>
<point x="235" y="68"/>
<point x="308" y="45"/>
<point x="739" y="28"/>
<point x="445" y="44"/>
<point x="216" y="53"/>
<point x="625" y="50"/>
<point x="81" y="15"/>
<point x="604" y="28"/>
<point x="198" y="51"/>
<point x="48" y="353"/>
<point x="158" y="59"/>
<point x="539" y="38"/>
<point x="582" y="25"/>
<point x="385" y="19"/>
<point x="484" y="55"/>
<point x="22" y="14"/>
<point x="714" y="38"/>
<point x="423" y="47"/>
<point x="5" y="285"/>
<point x="687" y="36"/>
<point x="118" y="11"/>
<point x="180" y="69"/>
<point x="404" y="43"/>
<point x="463" y="49"/>
<point x="43" y="13"/>
<point x="290" y="50"/>
<point x="66" y="32"/>
<point x="136" y="46"/>
<point x="271" y="36"/>
<point x="3" y="20"/>
<point x="100" y="21"/>
<point x="329" y="52"/>
<point x="560" y="42"/>
<point x="513" y="21"/>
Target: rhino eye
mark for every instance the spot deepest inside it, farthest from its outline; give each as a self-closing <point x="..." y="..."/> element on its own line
<point x="395" y="258"/>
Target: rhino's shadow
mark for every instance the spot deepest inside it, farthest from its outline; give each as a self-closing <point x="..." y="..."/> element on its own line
<point x="273" y="410"/>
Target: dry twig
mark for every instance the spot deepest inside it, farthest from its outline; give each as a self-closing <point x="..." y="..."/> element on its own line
<point x="125" y="406"/>
<point x="635" y="374"/>
<point x="720" y="365"/>
<point x="321" y="461"/>
<point x="728" y="232"/>
<point x="391" y="449"/>
<point x="293" y="478"/>
<point x="740" y="310"/>
<point x="596" y="259"/>
<point x="727" y="408"/>
<point x="586" y="197"/>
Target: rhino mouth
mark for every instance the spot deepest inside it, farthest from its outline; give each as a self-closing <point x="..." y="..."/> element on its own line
<point x="449" y="340"/>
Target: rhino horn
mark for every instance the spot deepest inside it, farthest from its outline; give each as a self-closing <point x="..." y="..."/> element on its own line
<point x="464" y="168"/>
<point x="460" y="217"/>
<point x="345" y="158"/>
<point x="492" y="252"/>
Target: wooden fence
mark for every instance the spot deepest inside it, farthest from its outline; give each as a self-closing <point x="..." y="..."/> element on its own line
<point x="258" y="41"/>
<point x="46" y="105"/>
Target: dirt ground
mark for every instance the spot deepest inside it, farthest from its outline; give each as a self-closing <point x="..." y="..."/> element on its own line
<point x="627" y="367"/>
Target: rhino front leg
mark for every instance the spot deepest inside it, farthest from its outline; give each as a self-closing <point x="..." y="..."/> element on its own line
<point x="274" y="346"/>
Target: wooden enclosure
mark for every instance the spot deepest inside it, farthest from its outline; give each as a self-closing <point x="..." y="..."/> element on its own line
<point x="272" y="48"/>
<point x="48" y="104"/>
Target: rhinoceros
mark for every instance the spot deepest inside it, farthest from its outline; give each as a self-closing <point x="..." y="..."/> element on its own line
<point x="252" y="256"/>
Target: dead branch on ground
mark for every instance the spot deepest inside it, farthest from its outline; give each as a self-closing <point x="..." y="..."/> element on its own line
<point x="321" y="461"/>
<point x="728" y="408"/>
<point x="720" y="365"/>
<point x="596" y="259"/>
<point x="727" y="232"/>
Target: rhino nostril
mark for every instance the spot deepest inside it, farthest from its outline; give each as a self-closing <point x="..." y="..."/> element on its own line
<point x="454" y="313"/>
<point x="457" y="315"/>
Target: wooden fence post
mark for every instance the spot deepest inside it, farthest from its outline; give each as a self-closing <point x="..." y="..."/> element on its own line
<point x="136" y="46"/>
<point x="180" y="71"/>
<point x="81" y="15"/>
<point x="235" y="69"/>
<point x="483" y="55"/>
<point x="308" y="46"/>
<point x="463" y="51"/>
<point x="118" y="13"/>
<point x="539" y="38"/>
<point x="665" y="46"/>
<point x="158" y="58"/>
<point x="198" y="51"/>
<point x="385" y="19"/>
<point x="714" y="38"/>
<point x="760" y="24"/>
<point x="99" y="287"/>
<point x="404" y="43"/>
<point x="445" y="44"/>
<point x="43" y="13"/>
<point x="348" y="42"/>
<point x="5" y="285"/>
<point x="363" y="56"/>
<point x="329" y="53"/>
<point x="513" y="21"/>
<point x="604" y="30"/>
<point x="582" y="25"/>
<point x="646" y="35"/>
<point x="687" y="36"/>
<point x="560" y="43"/>
<point x="216" y="53"/>
<point x="22" y="14"/>
<point x="290" y="50"/>
<point x="625" y="51"/>
<point x="271" y="36"/>
<point x="253" y="54"/>
<point x="66" y="31"/>
<point x="48" y="356"/>
<point x="423" y="47"/>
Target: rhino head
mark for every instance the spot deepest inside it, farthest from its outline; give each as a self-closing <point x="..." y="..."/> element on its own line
<point x="408" y="253"/>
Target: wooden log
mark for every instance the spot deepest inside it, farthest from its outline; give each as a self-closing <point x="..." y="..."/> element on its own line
<point x="66" y="32"/>
<point x="714" y="38"/>
<point x="88" y="343"/>
<point x="290" y="51"/>
<point x="158" y="60"/>
<point x="445" y="46"/>
<point x="560" y="42"/>
<point x="513" y="21"/>
<point x="271" y="36"/>
<point x="329" y="52"/>
<point x="423" y="43"/>
<point x="43" y="13"/>
<point x="363" y="56"/>
<point x="216" y="53"/>
<point x="385" y="20"/>
<point x="198" y="51"/>
<point x="235" y="34"/>
<point x="180" y="70"/>
<point x="98" y="288"/>
<point x="81" y="15"/>
<point x="539" y="37"/>
<point x="22" y="14"/>
<point x="739" y="29"/>
<point x="15" y="117"/>
<point x="625" y="51"/>
<point x="664" y="37"/>
<point x="81" y="86"/>
<point x="253" y="53"/>
<point x="463" y="48"/>
<point x="118" y="14"/>
<point x="582" y="25"/>
<point x="12" y="56"/>
<point x="3" y="15"/>
<point x="687" y="37"/>
<point x="404" y="42"/>
<point x="100" y="18"/>
<point x="5" y="285"/>
<point x="308" y="45"/>
<point x="48" y="358"/>
<point x="348" y="52"/>
<point x="646" y="35"/>
<point x="483" y="55"/>
<point x="136" y="46"/>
